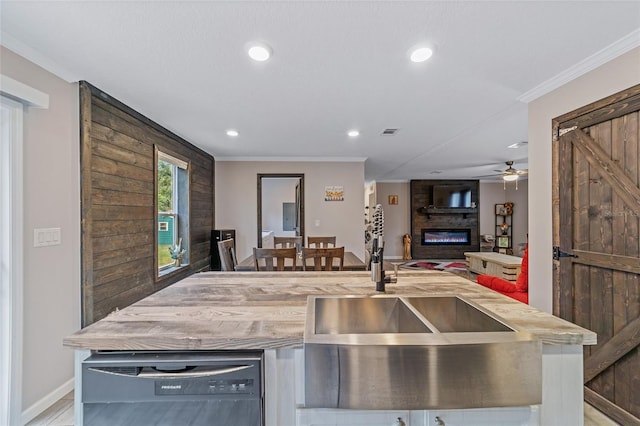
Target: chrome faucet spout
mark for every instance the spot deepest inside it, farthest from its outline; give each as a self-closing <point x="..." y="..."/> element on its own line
<point x="377" y="268"/>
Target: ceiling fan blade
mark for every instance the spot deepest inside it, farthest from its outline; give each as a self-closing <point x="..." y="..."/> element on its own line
<point x="522" y="172"/>
<point x="493" y="175"/>
<point x="499" y="171"/>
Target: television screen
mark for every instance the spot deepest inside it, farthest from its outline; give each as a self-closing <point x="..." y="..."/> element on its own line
<point x="451" y="196"/>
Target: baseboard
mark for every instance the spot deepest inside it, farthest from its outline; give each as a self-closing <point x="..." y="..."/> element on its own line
<point x="47" y="401"/>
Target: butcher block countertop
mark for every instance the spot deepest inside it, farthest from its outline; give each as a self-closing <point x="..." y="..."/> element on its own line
<point x="266" y="310"/>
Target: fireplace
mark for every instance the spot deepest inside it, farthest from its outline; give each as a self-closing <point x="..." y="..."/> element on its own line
<point x="431" y="237"/>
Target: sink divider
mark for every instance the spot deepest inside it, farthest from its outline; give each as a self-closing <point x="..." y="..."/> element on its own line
<point x="421" y="317"/>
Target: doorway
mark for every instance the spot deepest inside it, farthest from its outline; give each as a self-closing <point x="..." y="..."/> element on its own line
<point x="11" y="244"/>
<point x="275" y="212"/>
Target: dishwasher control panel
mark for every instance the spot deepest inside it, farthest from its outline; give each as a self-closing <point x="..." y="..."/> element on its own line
<point x="205" y="387"/>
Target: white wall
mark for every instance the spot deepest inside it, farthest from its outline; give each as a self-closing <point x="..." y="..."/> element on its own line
<point x="275" y="192"/>
<point x="492" y="193"/>
<point x="614" y="76"/>
<point x="51" y="199"/>
<point x="397" y="218"/>
<point x="236" y="200"/>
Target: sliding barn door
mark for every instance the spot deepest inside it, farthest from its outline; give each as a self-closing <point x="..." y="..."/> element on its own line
<point x="596" y="228"/>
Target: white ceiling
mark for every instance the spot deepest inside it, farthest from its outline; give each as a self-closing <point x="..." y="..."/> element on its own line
<point x="336" y="65"/>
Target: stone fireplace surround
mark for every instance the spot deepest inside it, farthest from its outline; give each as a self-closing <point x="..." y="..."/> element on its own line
<point x="424" y="216"/>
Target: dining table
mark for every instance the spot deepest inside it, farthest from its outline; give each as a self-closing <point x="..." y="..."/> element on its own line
<point x="351" y="263"/>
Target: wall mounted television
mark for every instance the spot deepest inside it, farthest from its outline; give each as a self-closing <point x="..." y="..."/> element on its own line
<point x="452" y="196"/>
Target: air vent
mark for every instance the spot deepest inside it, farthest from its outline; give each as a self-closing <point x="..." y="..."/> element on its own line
<point x="389" y="132"/>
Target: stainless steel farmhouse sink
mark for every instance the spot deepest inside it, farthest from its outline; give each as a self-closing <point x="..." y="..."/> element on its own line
<point x="342" y="315"/>
<point x="397" y="352"/>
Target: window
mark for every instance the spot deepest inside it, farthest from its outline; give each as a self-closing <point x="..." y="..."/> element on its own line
<point x="172" y="217"/>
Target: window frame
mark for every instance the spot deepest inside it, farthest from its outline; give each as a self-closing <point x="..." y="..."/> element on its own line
<point x="170" y="156"/>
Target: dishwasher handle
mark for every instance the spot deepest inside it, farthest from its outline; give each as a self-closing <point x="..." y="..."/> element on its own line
<point x="198" y="372"/>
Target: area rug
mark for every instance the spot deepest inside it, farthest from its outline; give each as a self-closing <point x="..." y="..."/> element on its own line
<point x="435" y="265"/>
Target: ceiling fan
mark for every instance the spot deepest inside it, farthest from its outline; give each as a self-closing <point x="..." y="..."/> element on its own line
<point x="510" y="173"/>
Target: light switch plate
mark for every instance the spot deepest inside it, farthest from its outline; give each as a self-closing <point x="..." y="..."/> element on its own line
<point x="43" y="237"/>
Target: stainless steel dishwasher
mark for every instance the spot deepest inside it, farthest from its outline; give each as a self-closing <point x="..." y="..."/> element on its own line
<point x="173" y="388"/>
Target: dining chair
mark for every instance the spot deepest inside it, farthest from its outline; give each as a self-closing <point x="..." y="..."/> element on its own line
<point x="227" y="250"/>
<point x="321" y="242"/>
<point x="287" y="242"/>
<point x="268" y="255"/>
<point x="322" y="256"/>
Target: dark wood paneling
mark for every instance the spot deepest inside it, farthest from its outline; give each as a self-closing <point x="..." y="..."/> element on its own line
<point x="120" y="183"/>
<point x="118" y="197"/>
<point x="124" y="255"/>
<point x="421" y="194"/>
<point x="105" y="134"/>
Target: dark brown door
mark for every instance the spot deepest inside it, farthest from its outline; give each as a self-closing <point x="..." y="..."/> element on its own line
<point x="596" y="162"/>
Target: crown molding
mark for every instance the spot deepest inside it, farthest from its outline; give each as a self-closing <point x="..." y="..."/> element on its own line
<point x="297" y="159"/>
<point x="615" y="49"/>
<point x="36" y="57"/>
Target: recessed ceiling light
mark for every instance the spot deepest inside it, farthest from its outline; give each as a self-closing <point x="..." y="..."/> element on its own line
<point x="259" y="51"/>
<point x="353" y="133"/>
<point x="232" y="133"/>
<point x="421" y="54"/>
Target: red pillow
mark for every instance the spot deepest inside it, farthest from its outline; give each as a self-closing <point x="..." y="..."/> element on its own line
<point x="496" y="283"/>
<point x="485" y="280"/>
<point x="522" y="282"/>
<point x="503" y="286"/>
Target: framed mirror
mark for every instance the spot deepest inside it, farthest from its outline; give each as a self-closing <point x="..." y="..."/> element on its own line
<point x="276" y="193"/>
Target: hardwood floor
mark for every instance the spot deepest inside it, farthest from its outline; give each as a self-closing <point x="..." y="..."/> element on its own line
<point x="61" y="414"/>
<point x="593" y="417"/>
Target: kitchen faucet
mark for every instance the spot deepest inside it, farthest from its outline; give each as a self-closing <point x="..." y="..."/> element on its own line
<point x="377" y="267"/>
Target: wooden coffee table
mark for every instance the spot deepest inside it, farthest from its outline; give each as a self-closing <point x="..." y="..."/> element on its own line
<point x="496" y="264"/>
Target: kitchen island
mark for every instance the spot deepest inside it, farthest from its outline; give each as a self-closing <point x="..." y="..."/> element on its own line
<point x="230" y="311"/>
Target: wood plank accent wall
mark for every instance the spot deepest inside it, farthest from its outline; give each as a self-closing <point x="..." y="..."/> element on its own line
<point x="421" y="198"/>
<point x="118" y="193"/>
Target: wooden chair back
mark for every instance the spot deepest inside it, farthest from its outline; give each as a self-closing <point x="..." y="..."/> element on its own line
<point x="322" y="256"/>
<point x="287" y="242"/>
<point x="227" y="251"/>
<point x="321" y="242"/>
<point x="264" y="258"/>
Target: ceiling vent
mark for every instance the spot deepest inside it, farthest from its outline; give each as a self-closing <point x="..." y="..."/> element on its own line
<point x="389" y="132"/>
